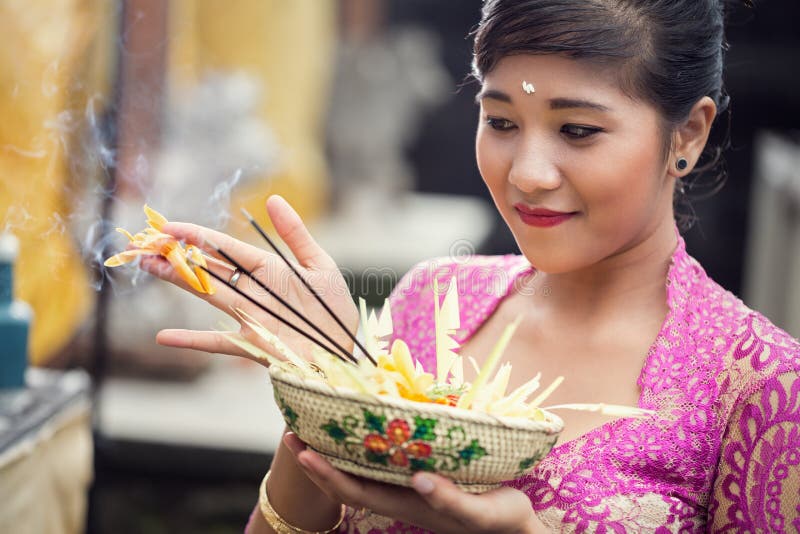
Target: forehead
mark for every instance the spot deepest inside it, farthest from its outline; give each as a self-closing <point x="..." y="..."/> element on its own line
<point x="556" y="75"/>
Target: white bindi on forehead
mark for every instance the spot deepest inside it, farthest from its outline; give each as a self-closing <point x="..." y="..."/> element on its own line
<point x="528" y="87"/>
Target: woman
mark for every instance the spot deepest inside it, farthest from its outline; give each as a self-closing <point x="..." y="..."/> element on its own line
<point x="591" y="116"/>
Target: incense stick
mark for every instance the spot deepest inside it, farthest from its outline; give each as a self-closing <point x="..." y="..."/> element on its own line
<point x="291" y="308"/>
<point x="273" y="314"/>
<point x="335" y="317"/>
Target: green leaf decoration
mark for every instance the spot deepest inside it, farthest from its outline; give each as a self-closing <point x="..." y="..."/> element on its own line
<point x="424" y="429"/>
<point x="422" y="464"/>
<point x="288" y="413"/>
<point x="373" y="457"/>
<point x="472" y="452"/>
<point x="290" y="416"/>
<point x="334" y="430"/>
<point x="527" y="463"/>
<point x="374" y="422"/>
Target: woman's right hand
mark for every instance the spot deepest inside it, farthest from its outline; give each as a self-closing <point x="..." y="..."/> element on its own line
<point x="314" y="264"/>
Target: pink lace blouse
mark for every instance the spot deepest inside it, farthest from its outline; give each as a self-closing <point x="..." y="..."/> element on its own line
<point x="723" y="453"/>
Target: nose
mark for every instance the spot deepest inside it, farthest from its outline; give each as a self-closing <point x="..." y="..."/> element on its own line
<point x="534" y="169"/>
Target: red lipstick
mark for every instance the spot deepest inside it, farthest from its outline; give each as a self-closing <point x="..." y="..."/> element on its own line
<point x="542" y="217"/>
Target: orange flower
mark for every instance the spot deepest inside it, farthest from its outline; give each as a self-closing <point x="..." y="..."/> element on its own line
<point x="399" y="458"/>
<point x="400" y="449"/>
<point x="376" y="443"/>
<point x="398" y="431"/>
<point x="153" y="242"/>
<point x="419" y="449"/>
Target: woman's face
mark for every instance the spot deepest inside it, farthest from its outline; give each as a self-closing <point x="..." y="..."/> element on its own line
<point x="576" y="145"/>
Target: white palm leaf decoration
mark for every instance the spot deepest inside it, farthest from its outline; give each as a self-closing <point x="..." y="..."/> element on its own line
<point x="377" y="328"/>
<point x="447" y="321"/>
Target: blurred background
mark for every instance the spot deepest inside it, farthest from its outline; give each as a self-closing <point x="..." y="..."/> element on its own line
<point x="361" y="114"/>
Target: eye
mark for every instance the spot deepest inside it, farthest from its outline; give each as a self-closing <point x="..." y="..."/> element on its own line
<point x="501" y="125"/>
<point x="575" y="131"/>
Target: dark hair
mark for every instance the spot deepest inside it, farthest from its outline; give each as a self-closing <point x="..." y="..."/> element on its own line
<point x="668" y="53"/>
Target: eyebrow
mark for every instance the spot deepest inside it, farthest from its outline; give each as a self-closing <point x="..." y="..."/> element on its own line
<point x="570" y="103"/>
<point x="492" y="94"/>
<point x="555" y="103"/>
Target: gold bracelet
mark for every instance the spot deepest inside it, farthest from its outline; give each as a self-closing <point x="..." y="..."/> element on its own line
<point x="278" y="523"/>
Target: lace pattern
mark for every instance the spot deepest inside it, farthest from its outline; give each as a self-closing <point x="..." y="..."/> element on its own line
<point x="722" y="453"/>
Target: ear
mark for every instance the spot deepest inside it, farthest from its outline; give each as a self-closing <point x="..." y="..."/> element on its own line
<point x="690" y="138"/>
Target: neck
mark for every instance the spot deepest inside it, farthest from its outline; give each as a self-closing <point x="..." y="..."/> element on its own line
<point x="630" y="279"/>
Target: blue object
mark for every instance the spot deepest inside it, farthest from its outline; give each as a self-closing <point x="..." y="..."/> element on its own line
<point x="15" y="318"/>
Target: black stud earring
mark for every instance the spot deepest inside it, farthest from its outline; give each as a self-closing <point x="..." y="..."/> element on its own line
<point x="681" y="164"/>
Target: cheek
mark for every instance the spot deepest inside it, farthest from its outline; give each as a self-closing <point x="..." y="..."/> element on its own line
<point x="629" y="177"/>
<point x="493" y="163"/>
<point x="623" y="192"/>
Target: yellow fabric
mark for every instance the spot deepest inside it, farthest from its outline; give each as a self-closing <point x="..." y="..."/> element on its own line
<point x="50" y="55"/>
<point x="289" y="48"/>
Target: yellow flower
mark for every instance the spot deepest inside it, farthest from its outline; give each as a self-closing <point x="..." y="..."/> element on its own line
<point x="411" y="381"/>
<point x="153" y="242"/>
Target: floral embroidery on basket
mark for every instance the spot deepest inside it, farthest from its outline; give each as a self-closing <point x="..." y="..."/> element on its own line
<point x="399" y="443"/>
<point x="526" y="464"/>
<point x="289" y="415"/>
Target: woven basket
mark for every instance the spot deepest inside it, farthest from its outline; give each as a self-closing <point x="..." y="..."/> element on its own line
<point x="388" y="439"/>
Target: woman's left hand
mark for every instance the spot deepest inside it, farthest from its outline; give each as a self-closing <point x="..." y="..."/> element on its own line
<point x="434" y="504"/>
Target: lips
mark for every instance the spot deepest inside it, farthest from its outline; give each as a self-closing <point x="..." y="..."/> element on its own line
<point x="542" y="217"/>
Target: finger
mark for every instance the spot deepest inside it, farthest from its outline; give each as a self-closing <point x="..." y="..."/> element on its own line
<point x="442" y="495"/>
<point x="383" y="499"/>
<point x="246" y="255"/>
<point x="490" y="511"/>
<point x="387" y="500"/>
<point x="224" y="298"/>
<point x="227" y="300"/>
<point x="294" y="443"/>
<point x="257" y="280"/>
<point x="155" y="266"/>
<point x="162" y="268"/>
<point x="293" y="231"/>
<point x="206" y="341"/>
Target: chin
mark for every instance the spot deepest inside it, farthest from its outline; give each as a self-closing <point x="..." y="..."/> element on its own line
<point x="546" y="255"/>
<point x="560" y="254"/>
<point x="552" y="260"/>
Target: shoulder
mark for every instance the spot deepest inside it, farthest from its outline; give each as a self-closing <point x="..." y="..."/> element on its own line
<point x="482" y="281"/>
<point x="751" y="347"/>
<point x="481" y="267"/>
<point x="763" y="368"/>
<point x="759" y="350"/>
<point x="477" y="275"/>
